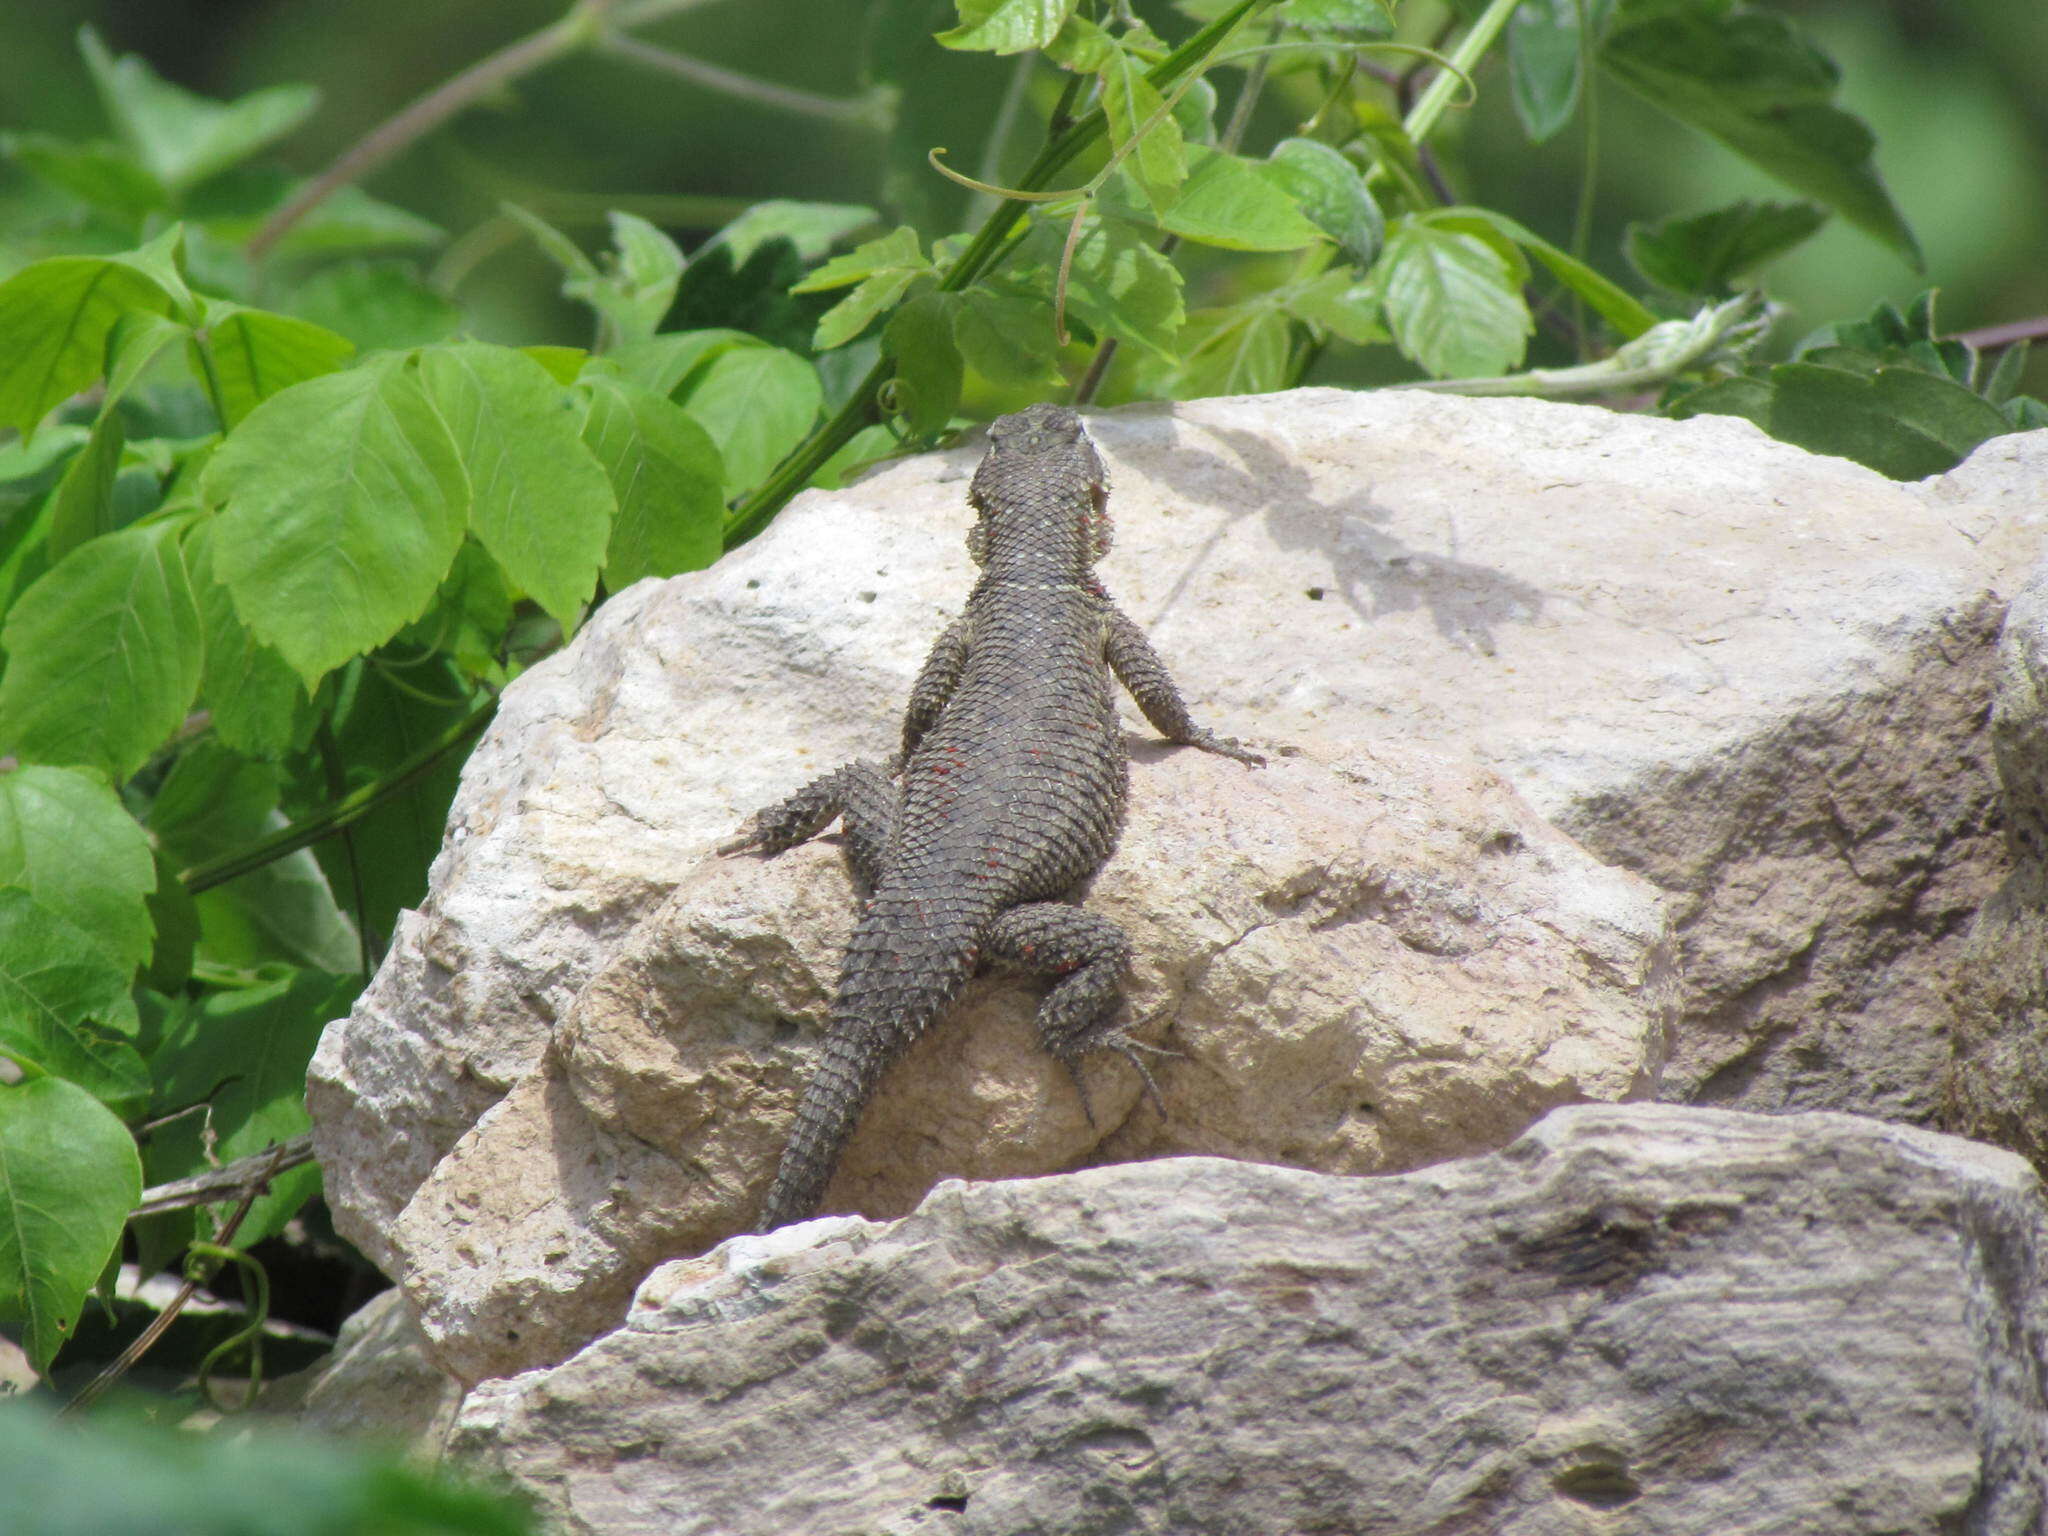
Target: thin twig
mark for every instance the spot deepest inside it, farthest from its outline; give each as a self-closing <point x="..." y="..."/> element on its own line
<point x="218" y="1184"/>
<point x="859" y="112"/>
<point x="1984" y="338"/>
<point x="575" y="30"/>
<point x="146" y="1340"/>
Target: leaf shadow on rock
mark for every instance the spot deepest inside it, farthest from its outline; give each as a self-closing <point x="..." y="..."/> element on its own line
<point x="1377" y="573"/>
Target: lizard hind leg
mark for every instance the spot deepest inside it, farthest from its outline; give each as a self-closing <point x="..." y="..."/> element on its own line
<point x="860" y="794"/>
<point x="1088" y="954"/>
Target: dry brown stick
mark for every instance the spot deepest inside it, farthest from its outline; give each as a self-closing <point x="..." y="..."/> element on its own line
<point x="146" y="1340"/>
<point x="224" y="1183"/>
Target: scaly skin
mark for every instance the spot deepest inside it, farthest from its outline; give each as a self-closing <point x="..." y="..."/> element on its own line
<point x="1013" y="776"/>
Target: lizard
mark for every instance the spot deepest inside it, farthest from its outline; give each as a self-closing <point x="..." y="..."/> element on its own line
<point x="1013" y="776"/>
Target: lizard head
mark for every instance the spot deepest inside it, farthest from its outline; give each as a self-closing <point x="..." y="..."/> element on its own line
<point x="1041" y="468"/>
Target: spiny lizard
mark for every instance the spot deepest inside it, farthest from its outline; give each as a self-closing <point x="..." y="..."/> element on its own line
<point x="1013" y="775"/>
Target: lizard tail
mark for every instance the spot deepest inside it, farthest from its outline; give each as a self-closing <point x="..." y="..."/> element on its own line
<point x="882" y="1008"/>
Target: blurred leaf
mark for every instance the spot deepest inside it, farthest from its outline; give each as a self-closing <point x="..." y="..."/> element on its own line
<point x="630" y="289"/>
<point x="179" y="1483"/>
<point x="1332" y="192"/>
<point x="1007" y="26"/>
<point x="253" y="354"/>
<point x="1341" y="304"/>
<point x="928" y="363"/>
<point x="1452" y="302"/>
<point x="176" y="921"/>
<point x="1118" y="284"/>
<point x="670" y="364"/>
<point x="811" y="228"/>
<point x="896" y="250"/>
<point x="865" y="447"/>
<point x="1008" y="341"/>
<point x="854" y="313"/>
<point x="68" y="1178"/>
<point x="1708" y="254"/>
<point x="1235" y="350"/>
<point x="376" y="305"/>
<point x="1749" y="79"/>
<point x="259" y="706"/>
<point x="66" y="840"/>
<point x="757" y="403"/>
<point x="183" y="138"/>
<point x="1156" y="157"/>
<point x="1543" y="59"/>
<point x="55" y="983"/>
<point x="538" y="501"/>
<point x="99" y="174"/>
<point x="345" y="501"/>
<point x="103" y="654"/>
<point x="667" y="476"/>
<point x="347" y="222"/>
<point x="243" y="1053"/>
<point x="562" y="364"/>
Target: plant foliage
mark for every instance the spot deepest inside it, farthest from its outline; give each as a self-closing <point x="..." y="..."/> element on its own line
<point x="276" y="527"/>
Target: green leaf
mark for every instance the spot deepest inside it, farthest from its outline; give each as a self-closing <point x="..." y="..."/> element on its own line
<point x="1157" y="158"/>
<point x="102" y="175"/>
<point x="1708" y="254"/>
<point x="896" y="250"/>
<point x="928" y="362"/>
<point x="1341" y="304"/>
<point x="865" y="447"/>
<point x="636" y="285"/>
<point x="67" y="841"/>
<point x="243" y="1054"/>
<point x="1331" y="191"/>
<point x="854" y="313"/>
<point x="811" y="228"/>
<point x="1238" y="350"/>
<point x="55" y="983"/>
<point x="214" y="803"/>
<point x="757" y="403"/>
<point x="1006" y="26"/>
<point x="377" y="305"/>
<point x="1452" y="302"/>
<point x="1543" y="59"/>
<point x="667" y="476"/>
<point x="54" y="319"/>
<point x="82" y="505"/>
<point x="1008" y="341"/>
<point x="103" y="654"/>
<point x="1749" y="79"/>
<point x="137" y="340"/>
<point x="538" y="501"/>
<point x="69" y="1176"/>
<point x="562" y="364"/>
<point x="181" y="137"/>
<point x="176" y="921"/>
<point x="251" y="354"/>
<point x="345" y="503"/>
<point x="1611" y="302"/>
<point x="670" y="365"/>
<point x="1118" y="284"/>
<point x="259" y="706"/>
<point x="347" y="222"/>
<point x="1237" y="204"/>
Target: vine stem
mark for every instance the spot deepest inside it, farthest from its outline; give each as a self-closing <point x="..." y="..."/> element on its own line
<point x="1436" y="97"/>
<point x="861" y="408"/>
<point x="351" y="807"/>
<point x="577" y="29"/>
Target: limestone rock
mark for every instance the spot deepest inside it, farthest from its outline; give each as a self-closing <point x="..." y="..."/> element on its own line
<point x="1364" y="968"/>
<point x="1753" y="675"/>
<point x="1644" y="1318"/>
<point x="376" y="1384"/>
<point x="1999" y="1086"/>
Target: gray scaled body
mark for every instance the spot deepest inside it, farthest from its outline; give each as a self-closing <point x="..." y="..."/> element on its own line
<point x="1010" y="795"/>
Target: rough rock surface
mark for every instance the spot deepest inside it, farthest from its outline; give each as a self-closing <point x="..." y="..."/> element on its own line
<point x="377" y="1383"/>
<point x="1754" y="675"/>
<point x="1644" y="1318"/>
<point x="1999" y="1088"/>
<point x="1367" y="967"/>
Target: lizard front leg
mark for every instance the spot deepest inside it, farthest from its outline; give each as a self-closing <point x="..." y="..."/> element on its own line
<point x="936" y="680"/>
<point x="1139" y="669"/>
